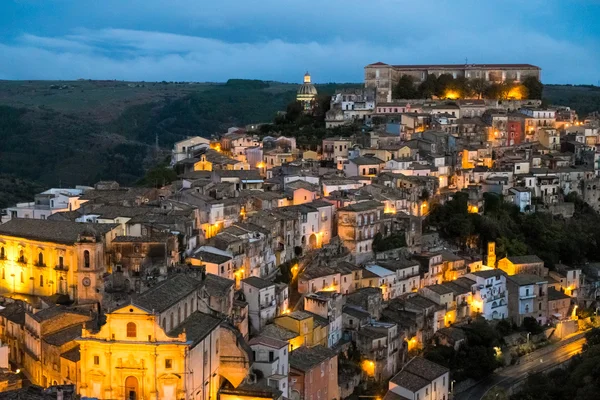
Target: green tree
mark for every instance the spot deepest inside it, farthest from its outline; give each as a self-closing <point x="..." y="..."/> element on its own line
<point x="405" y="88"/>
<point x="478" y="87"/>
<point x="534" y="87"/>
<point x="427" y="88"/>
<point x="443" y="83"/>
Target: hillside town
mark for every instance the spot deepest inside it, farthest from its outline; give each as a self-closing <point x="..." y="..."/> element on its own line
<point x="271" y="271"/>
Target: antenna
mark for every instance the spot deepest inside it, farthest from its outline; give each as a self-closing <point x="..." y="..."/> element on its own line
<point x="466" y="61"/>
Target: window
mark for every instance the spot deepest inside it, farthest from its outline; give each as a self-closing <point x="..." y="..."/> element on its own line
<point x="217" y="346"/>
<point x="96" y="360"/>
<point x="131" y="330"/>
<point x="205" y="357"/>
<point x="41" y="280"/>
<point x="3" y="274"/>
<point x="2" y="255"/>
<point x="60" y="261"/>
<point x="86" y="258"/>
<point x="168" y="363"/>
<point x="21" y="256"/>
<point x="22" y="277"/>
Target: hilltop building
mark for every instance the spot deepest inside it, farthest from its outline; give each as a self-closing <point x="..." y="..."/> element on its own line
<point x="306" y="94"/>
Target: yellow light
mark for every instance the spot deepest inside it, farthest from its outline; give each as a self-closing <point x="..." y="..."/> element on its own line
<point x="216" y="146"/>
<point x="260" y="165"/>
<point x="451" y="94"/>
<point x="473" y="209"/>
<point x="515" y="93"/>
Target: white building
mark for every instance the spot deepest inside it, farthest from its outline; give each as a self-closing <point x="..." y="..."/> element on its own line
<point x="420" y="379"/>
<point x="47" y="203"/>
<point x="521" y="197"/>
<point x="260" y="296"/>
<point x="272" y="359"/>
<point x="185" y="148"/>
<point x="490" y="297"/>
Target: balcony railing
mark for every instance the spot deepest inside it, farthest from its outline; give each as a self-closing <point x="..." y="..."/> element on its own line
<point x="61" y="268"/>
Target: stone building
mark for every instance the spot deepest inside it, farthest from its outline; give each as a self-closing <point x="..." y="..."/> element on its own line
<point x="163" y="346"/>
<point x="383" y="76"/>
<point x="44" y="257"/>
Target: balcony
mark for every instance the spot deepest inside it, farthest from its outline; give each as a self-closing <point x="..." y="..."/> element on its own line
<point x="63" y="268"/>
<point x="267" y="305"/>
<point x="527" y="297"/>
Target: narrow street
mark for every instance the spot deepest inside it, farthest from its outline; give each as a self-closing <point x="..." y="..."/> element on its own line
<point x="535" y="362"/>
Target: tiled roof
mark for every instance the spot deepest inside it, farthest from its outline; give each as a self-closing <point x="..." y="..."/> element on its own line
<point x="305" y="358"/>
<point x="409" y="381"/>
<point x="554" y="294"/>
<point x="166" y="293"/>
<point x="72" y="355"/>
<point x="277" y="332"/>
<point x="65" y="232"/>
<point x="268" y="341"/>
<point x="63" y="336"/>
<point x="530" y="259"/>
<point x="426" y="369"/>
<point x="217" y="286"/>
<point x="14" y="312"/>
<point x="527" y="279"/>
<point x="257" y="282"/>
<point x="212" y="258"/>
<point x="362" y="206"/>
<point x="364" y="160"/>
<point x="197" y="326"/>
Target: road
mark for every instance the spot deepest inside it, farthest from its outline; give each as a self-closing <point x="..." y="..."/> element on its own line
<point x="537" y="361"/>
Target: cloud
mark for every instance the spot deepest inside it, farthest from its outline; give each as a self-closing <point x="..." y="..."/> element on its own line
<point x="188" y="40"/>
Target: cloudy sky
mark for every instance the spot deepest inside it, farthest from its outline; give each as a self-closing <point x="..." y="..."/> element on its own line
<point x="204" y="40"/>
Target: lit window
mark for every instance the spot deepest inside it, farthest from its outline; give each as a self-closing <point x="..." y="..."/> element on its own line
<point x="168" y="363"/>
<point x="96" y="360"/>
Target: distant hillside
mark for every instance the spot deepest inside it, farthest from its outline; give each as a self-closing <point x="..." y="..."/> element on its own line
<point x="79" y="132"/>
<point x="584" y="99"/>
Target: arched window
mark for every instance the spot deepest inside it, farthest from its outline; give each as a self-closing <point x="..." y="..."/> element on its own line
<point x="171" y="321"/>
<point x="131" y="330"/>
<point x="2" y="254"/>
<point x="40" y="258"/>
<point x="86" y="259"/>
<point x="21" y="256"/>
<point x="185" y="311"/>
<point x="178" y="315"/>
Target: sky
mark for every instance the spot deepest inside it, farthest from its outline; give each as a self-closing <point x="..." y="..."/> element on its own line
<point x="204" y="40"/>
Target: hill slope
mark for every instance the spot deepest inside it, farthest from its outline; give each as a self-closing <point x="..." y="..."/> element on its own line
<point x="79" y="132"/>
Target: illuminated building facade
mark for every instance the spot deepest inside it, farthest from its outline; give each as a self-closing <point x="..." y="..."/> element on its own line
<point x="162" y="346"/>
<point x="44" y="257"/>
<point x="382" y="77"/>
<point x="307" y="94"/>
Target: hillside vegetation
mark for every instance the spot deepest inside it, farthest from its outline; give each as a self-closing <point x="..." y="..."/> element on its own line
<point x="79" y="132"/>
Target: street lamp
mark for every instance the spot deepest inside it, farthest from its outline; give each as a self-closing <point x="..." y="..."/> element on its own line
<point x="452" y="386"/>
<point x="528" y="334"/>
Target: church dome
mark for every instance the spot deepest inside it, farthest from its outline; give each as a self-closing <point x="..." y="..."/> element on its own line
<point x="307" y="88"/>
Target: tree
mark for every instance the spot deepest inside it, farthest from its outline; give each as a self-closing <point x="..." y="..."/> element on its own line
<point x="443" y="83"/>
<point x="478" y="87"/>
<point x="531" y="325"/>
<point x="534" y="87"/>
<point x="405" y="88"/>
<point x="427" y="88"/>
<point x="294" y="111"/>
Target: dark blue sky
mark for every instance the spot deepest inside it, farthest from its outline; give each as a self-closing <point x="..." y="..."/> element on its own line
<point x="202" y="40"/>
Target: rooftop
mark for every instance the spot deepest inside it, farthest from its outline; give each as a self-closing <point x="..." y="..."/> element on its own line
<point x="305" y="358"/>
<point x="65" y="232"/>
<point x="196" y="327"/>
<point x="530" y="259"/>
<point x="257" y="282"/>
<point x="166" y="293"/>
